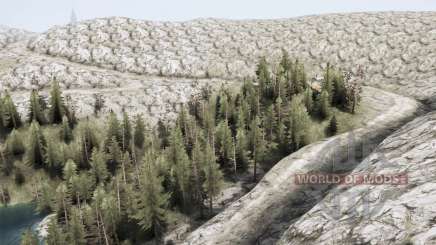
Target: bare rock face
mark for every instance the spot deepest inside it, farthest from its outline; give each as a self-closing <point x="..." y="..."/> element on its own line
<point x="277" y="198"/>
<point x="391" y="47"/>
<point x="152" y="67"/>
<point x="381" y="214"/>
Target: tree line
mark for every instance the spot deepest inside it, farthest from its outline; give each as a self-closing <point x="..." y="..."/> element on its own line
<point x="119" y="181"/>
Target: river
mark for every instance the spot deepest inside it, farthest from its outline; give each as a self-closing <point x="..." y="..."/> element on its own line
<point x="14" y="220"/>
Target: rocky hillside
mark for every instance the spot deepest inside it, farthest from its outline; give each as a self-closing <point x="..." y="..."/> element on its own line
<point x="153" y="66"/>
<point x="381" y="214"/>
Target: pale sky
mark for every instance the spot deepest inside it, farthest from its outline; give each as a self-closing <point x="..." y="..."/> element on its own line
<point x="39" y="15"/>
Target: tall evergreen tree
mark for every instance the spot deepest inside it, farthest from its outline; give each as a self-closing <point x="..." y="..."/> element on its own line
<point x="332" y="127"/>
<point x="197" y="176"/>
<point x="66" y="132"/>
<point x="55" y="234"/>
<point x="76" y="230"/>
<point x="15" y="144"/>
<point x="53" y="157"/>
<point x="114" y="155"/>
<point x="57" y="106"/>
<point x="98" y="166"/>
<point x="224" y="143"/>
<point x="36" y="112"/>
<point x="113" y="130"/>
<point x="242" y="153"/>
<point x="151" y="201"/>
<point x="11" y="116"/>
<point x="45" y="200"/>
<point x="270" y="122"/>
<point x="264" y="79"/>
<point x="308" y="100"/>
<point x="139" y="134"/>
<point x="180" y="164"/>
<point x="36" y="148"/>
<point x="88" y="141"/>
<point x="126" y="132"/>
<point x="70" y="170"/>
<point x="324" y="105"/>
<point x="213" y="176"/>
<point x="339" y="96"/>
<point x="257" y="144"/>
<point x="299" y="124"/>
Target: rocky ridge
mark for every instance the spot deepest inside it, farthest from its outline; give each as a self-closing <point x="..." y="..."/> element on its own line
<point x="381" y="214"/>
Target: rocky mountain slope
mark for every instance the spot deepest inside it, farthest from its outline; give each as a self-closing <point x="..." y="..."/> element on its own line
<point x="381" y="214"/>
<point x="152" y="67"/>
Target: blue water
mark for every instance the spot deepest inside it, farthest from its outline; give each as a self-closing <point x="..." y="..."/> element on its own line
<point x="14" y="220"/>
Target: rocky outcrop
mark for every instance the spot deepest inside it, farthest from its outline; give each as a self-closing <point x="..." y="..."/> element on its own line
<point x="277" y="198"/>
<point x="381" y="214"/>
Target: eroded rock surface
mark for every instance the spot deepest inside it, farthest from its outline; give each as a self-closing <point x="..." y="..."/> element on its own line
<point x="396" y="51"/>
<point x="381" y="214"/>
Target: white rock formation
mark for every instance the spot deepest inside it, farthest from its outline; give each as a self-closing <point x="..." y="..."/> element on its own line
<point x="381" y="214"/>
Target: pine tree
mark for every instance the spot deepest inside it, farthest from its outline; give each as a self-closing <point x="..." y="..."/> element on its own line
<point x="139" y="134"/>
<point x="15" y="144"/>
<point x="299" y="124"/>
<point x="332" y="128"/>
<point x="339" y="96"/>
<point x="66" y="133"/>
<point x="264" y="79"/>
<point x="11" y="116"/>
<point x="55" y="234"/>
<point x="213" y="176"/>
<point x="98" y="166"/>
<point x="29" y="238"/>
<point x="88" y="141"/>
<point x="36" y="112"/>
<point x="70" y="170"/>
<point x="242" y="153"/>
<point x="224" y="143"/>
<point x="257" y="144"/>
<point x="308" y="100"/>
<point x="285" y="65"/>
<point x="270" y="123"/>
<point x="63" y="203"/>
<point x="324" y="105"/>
<point x="45" y="199"/>
<point x="298" y="78"/>
<point x="76" y="230"/>
<point x="53" y="158"/>
<point x="151" y="201"/>
<point x="197" y="166"/>
<point x="57" y="106"/>
<point x="36" y="148"/>
<point x="126" y="132"/>
<point x="113" y="130"/>
<point x="180" y="164"/>
<point x="114" y="155"/>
